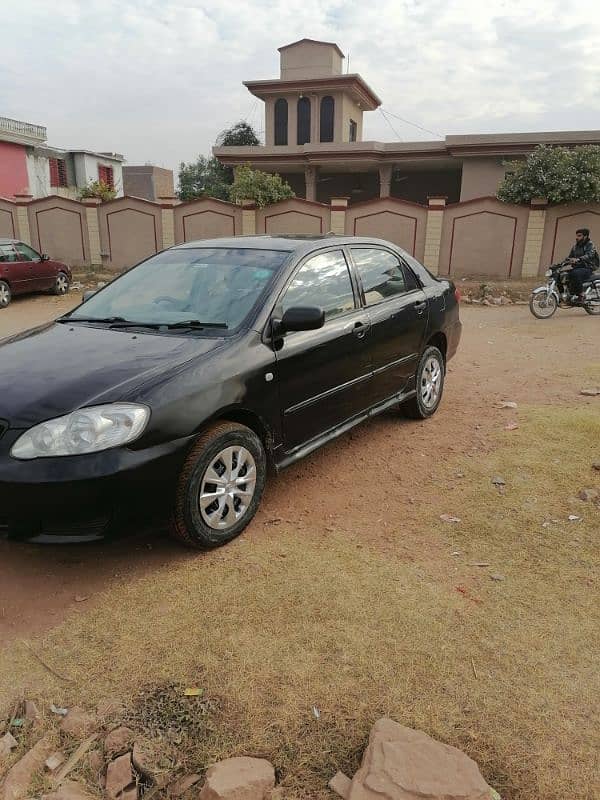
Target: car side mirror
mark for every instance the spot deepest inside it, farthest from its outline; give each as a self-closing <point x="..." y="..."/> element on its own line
<point x="302" y="318"/>
<point x="88" y="294"/>
<point x="45" y="257"/>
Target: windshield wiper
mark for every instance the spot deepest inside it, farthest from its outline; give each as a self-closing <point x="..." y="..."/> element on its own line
<point x="195" y="324"/>
<point x="105" y="320"/>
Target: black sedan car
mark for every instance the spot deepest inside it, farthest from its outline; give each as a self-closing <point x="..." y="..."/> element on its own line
<point x="177" y="385"/>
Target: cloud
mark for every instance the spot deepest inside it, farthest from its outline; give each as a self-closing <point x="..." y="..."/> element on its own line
<point x="158" y="79"/>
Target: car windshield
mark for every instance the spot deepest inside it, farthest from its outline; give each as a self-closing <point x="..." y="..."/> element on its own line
<point x="215" y="287"/>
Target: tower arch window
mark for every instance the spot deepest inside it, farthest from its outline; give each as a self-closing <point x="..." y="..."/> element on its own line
<point x="281" y="121"/>
<point x="303" y="120"/>
<point x="327" y="116"/>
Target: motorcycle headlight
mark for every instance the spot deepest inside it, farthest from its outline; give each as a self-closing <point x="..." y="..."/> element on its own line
<point x="548" y="273"/>
<point x="88" y="430"/>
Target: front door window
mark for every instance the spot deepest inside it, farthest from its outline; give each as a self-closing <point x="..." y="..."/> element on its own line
<point x="27" y="253"/>
<point x="324" y="281"/>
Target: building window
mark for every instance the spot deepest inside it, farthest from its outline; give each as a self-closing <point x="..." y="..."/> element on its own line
<point x="303" y="120"/>
<point x="58" y="172"/>
<point x="353" y="131"/>
<point x="281" y="121"/>
<point x="327" y="114"/>
<point x="105" y="174"/>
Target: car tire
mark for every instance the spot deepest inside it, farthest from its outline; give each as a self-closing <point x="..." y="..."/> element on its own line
<point x="203" y="518"/>
<point x="5" y="294"/>
<point x="62" y="284"/>
<point x="429" y="383"/>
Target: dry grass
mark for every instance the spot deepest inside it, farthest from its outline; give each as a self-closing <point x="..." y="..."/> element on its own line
<point x="270" y="627"/>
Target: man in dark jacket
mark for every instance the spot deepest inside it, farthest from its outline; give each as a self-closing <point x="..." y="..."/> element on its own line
<point x="584" y="260"/>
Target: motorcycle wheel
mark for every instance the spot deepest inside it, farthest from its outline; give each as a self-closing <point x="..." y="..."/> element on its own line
<point x="592" y="307"/>
<point x="543" y="305"/>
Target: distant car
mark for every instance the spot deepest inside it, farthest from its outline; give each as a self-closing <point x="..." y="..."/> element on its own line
<point x="176" y="385"/>
<point x="23" y="270"/>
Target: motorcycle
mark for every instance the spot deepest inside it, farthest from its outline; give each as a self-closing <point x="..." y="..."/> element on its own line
<point x="556" y="293"/>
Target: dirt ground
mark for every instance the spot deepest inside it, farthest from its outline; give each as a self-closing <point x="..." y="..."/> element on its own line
<point x="505" y="354"/>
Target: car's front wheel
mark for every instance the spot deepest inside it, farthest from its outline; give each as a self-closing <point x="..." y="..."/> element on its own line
<point x="5" y="294"/>
<point x="429" y="383"/>
<point x="62" y="284"/>
<point x="220" y="486"/>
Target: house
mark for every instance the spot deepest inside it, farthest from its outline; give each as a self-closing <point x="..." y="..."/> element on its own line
<point x="28" y="165"/>
<point x="314" y="139"/>
<point x="148" y="182"/>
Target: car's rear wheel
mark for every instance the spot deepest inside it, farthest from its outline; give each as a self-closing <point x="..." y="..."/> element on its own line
<point x="5" y="294"/>
<point x="220" y="486"/>
<point x="62" y="284"/>
<point x="429" y="383"/>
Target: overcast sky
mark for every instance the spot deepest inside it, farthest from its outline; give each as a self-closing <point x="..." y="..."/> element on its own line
<point x="158" y="79"/>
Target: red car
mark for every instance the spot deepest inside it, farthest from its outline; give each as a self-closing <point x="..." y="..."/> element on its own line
<point x="23" y="270"/>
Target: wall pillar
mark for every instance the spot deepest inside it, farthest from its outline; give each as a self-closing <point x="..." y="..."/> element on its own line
<point x="339" y="206"/>
<point x="93" y="226"/>
<point x="248" y="218"/>
<point x="168" y="220"/>
<point x="22" y="202"/>
<point x="534" y="237"/>
<point x="310" y="178"/>
<point x="433" y="233"/>
<point x="385" y="180"/>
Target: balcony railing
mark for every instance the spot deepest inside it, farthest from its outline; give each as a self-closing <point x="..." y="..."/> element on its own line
<point x="19" y="128"/>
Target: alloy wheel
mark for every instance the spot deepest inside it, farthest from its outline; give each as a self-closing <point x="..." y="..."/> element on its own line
<point x="227" y="488"/>
<point x="431" y="382"/>
<point x="62" y="284"/>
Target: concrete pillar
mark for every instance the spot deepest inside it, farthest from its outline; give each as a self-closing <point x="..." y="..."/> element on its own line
<point x="433" y="233"/>
<point x="168" y="220"/>
<point x="534" y="238"/>
<point x="315" y="119"/>
<point x="248" y="218"/>
<point x="339" y="206"/>
<point x="22" y="202"/>
<point x="385" y="180"/>
<point x="310" y="177"/>
<point x="93" y="226"/>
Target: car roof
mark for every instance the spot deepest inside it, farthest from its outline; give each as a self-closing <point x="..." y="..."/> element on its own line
<point x="5" y="240"/>
<point x="286" y="242"/>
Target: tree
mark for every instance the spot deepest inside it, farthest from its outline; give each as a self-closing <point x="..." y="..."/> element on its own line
<point x="560" y="174"/>
<point x="99" y="189"/>
<point x="262" y="187"/>
<point x="207" y="177"/>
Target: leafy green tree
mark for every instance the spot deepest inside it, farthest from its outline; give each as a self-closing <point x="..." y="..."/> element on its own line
<point x="263" y="187"/>
<point x="560" y="174"/>
<point x="207" y="177"/>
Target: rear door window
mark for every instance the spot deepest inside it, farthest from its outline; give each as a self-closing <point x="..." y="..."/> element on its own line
<point x="8" y="253"/>
<point x="381" y="274"/>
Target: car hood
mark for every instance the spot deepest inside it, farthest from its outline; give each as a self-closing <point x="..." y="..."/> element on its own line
<point x="55" y="369"/>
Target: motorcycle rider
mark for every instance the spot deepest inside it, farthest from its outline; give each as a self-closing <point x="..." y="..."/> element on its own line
<point x="584" y="260"/>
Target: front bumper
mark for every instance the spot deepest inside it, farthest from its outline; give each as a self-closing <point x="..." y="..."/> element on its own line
<point x="80" y="498"/>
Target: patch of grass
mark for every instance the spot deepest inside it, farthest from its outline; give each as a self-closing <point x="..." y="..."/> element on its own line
<point x="505" y="670"/>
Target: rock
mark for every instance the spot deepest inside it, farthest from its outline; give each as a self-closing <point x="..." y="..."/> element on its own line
<point x="403" y="764"/>
<point x="69" y="790"/>
<point x="118" y="741"/>
<point x="591" y="391"/>
<point x="507" y="404"/>
<point x="497" y="577"/>
<point x="16" y="784"/>
<point x="79" y="723"/>
<point x="181" y="785"/>
<point x="120" y="780"/>
<point x="505" y="301"/>
<point x="449" y="518"/>
<point x="340" y="784"/>
<point x="239" y="779"/>
<point x="7" y="743"/>
<point x="32" y="713"/>
<point x="100" y="284"/>
<point x="95" y="761"/>
<point x="589" y="494"/>
<point x="54" y="761"/>
<point x="498" y="481"/>
<point x="76" y="286"/>
<point x="596" y="465"/>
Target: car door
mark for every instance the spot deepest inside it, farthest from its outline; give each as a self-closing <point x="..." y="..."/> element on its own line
<point x="323" y="375"/>
<point x="398" y="310"/>
<point x="43" y="273"/>
<point x="15" y="272"/>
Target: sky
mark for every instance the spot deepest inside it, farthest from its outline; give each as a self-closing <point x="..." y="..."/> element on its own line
<point x="157" y="80"/>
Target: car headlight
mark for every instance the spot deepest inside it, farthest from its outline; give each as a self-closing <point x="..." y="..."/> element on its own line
<point x="85" y="431"/>
<point x="548" y="273"/>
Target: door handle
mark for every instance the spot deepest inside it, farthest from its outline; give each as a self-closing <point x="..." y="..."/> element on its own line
<point x="360" y="329"/>
<point x="420" y="307"/>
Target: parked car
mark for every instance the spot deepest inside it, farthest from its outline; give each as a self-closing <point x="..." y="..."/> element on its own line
<point x="178" y="384"/>
<point x="23" y="270"/>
